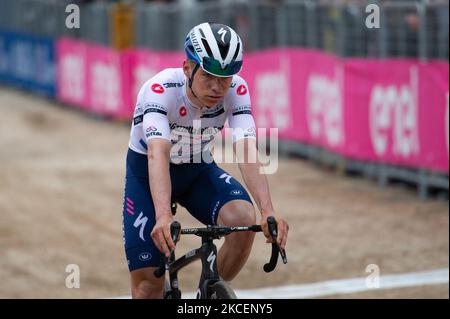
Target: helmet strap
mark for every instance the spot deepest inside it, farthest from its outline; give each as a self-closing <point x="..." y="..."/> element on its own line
<point x="191" y="79"/>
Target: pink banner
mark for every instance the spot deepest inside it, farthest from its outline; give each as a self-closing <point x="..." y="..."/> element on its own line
<point x="72" y="72"/>
<point x="105" y="82"/>
<point x="268" y="77"/>
<point x="434" y="115"/>
<point x="92" y="77"/>
<point x="298" y="92"/>
<point x="317" y="81"/>
<point x="391" y="111"/>
<point x="397" y="112"/>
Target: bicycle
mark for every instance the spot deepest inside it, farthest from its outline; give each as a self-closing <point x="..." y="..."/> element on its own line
<point x="211" y="286"/>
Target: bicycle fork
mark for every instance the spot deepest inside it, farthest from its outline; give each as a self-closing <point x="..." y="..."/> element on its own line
<point x="207" y="253"/>
<point x="209" y="274"/>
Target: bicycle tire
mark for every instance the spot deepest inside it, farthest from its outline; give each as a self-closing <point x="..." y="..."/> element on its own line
<point x="169" y="293"/>
<point x="220" y="290"/>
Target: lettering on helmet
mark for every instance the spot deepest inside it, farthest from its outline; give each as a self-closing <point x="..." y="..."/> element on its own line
<point x="222" y="32"/>
<point x="195" y="42"/>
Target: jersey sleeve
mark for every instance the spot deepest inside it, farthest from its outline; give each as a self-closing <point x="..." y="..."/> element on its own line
<point x="240" y="118"/>
<point x="155" y="104"/>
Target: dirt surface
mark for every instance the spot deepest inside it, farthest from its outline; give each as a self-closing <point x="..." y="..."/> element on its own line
<point x="61" y="191"/>
<point x="421" y="292"/>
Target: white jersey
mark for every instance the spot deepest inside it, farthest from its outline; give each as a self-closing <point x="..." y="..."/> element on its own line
<point x="163" y="110"/>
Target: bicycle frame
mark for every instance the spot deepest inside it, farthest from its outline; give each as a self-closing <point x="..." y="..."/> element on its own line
<point x="207" y="253"/>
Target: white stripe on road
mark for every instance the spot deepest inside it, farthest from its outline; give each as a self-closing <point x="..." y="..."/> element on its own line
<point x="343" y="286"/>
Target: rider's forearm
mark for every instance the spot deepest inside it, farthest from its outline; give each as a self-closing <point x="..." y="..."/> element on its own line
<point x="250" y="170"/>
<point x="257" y="185"/>
<point x="159" y="176"/>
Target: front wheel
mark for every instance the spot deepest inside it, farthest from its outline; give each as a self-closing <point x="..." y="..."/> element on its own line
<point x="220" y="290"/>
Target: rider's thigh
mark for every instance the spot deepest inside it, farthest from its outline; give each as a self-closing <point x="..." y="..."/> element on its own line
<point x="144" y="284"/>
<point x="212" y="192"/>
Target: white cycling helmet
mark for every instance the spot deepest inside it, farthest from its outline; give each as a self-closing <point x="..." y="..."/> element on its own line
<point x="216" y="48"/>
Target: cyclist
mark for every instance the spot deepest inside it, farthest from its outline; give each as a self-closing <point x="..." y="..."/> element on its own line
<point x="172" y="108"/>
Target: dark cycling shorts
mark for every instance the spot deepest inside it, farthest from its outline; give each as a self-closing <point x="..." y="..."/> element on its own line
<point x="201" y="188"/>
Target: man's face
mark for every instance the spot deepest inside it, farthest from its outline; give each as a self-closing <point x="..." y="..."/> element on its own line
<point x="209" y="89"/>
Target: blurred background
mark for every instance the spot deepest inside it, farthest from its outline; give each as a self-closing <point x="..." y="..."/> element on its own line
<point x="362" y="115"/>
<point x="411" y="28"/>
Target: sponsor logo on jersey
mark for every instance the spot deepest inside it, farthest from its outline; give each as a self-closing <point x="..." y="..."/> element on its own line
<point x="157" y="88"/>
<point x="145" y="256"/>
<point x="152" y="131"/>
<point x="244" y="109"/>
<point x="214" y="113"/>
<point x="236" y="192"/>
<point x="155" y="107"/>
<point x="233" y="85"/>
<point x="173" y="85"/>
<point x="250" y="132"/>
<point x="183" y="111"/>
<point x="151" y="134"/>
<point x="138" y="119"/>
<point x="242" y="90"/>
<point x="179" y="129"/>
<point x="138" y="110"/>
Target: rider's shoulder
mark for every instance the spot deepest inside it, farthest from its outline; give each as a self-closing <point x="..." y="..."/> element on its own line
<point x="160" y="83"/>
<point x="168" y="75"/>
<point x="238" y="80"/>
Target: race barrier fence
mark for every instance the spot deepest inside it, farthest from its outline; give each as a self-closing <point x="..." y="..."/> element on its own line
<point x="390" y="111"/>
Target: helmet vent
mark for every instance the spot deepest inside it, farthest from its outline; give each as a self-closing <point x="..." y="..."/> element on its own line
<point x="238" y="47"/>
<point x="207" y="47"/>
<point x="223" y="48"/>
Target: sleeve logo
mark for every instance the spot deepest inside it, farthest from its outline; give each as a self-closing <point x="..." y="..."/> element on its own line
<point x="151" y="129"/>
<point x="242" y="90"/>
<point x="157" y="88"/>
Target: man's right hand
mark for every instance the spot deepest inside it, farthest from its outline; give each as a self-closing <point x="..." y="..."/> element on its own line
<point x="161" y="234"/>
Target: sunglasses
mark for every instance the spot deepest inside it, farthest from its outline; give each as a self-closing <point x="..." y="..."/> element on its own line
<point x="214" y="67"/>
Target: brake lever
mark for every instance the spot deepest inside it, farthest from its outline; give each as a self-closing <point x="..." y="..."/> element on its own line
<point x="175" y="229"/>
<point x="276" y="248"/>
<point x="273" y="229"/>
